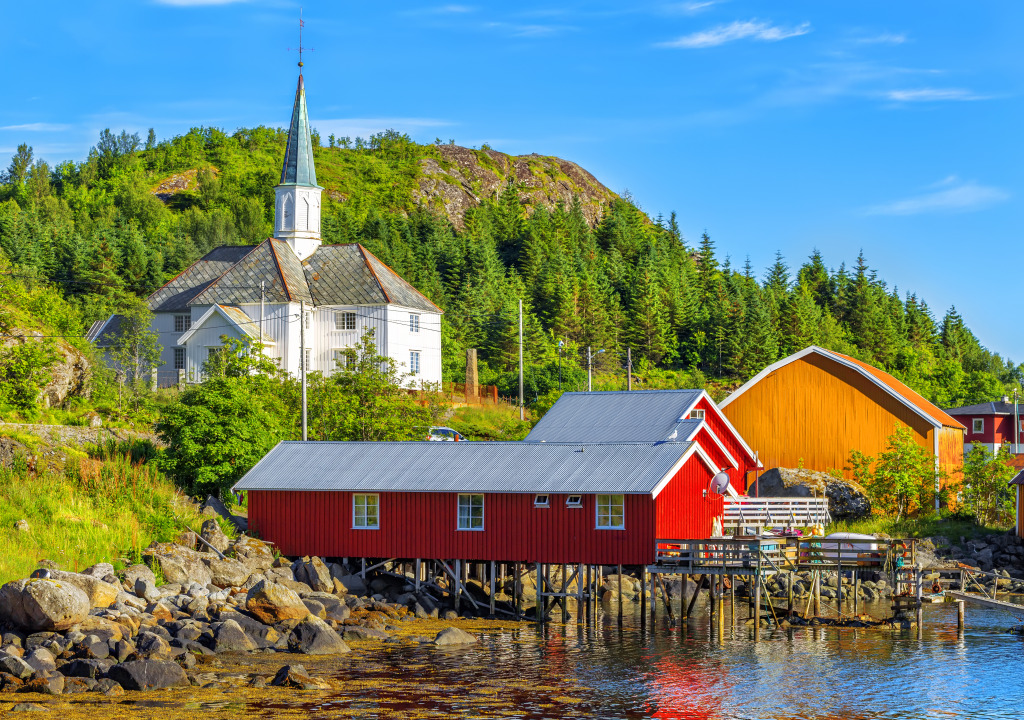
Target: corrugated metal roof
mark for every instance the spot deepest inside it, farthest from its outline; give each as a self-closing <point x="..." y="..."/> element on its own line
<point x="640" y="416"/>
<point x="492" y="467"/>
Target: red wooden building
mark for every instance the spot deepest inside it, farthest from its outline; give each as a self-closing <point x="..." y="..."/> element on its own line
<point x="558" y="503"/>
<point x="651" y="416"/>
<point x="991" y="424"/>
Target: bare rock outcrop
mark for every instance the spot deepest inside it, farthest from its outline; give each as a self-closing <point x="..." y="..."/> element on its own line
<point x="847" y="500"/>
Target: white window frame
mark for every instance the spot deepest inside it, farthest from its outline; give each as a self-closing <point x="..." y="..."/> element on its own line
<point x="542" y="500"/>
<point x="414" y="323"/>
<point x="697" y="414"/>
<point x="344" y="318"/>
<point x="977" y="425"/>
<point x="465" y="521"/>
<point x="180" y="357"/>
<point x="574" y="501"/>
<point x="182" y="323"/>
<point x="414" y="362"/>
<point x="608" y="503"/>
<point x="365" y="514"/>
<point x="347" y="356"/>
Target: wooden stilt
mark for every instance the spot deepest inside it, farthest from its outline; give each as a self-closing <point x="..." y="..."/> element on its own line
<point x="588" y="598"/>
<point x="419" y="578"/>
<point x="960" y="616"/>
<point x="816" y="589"/>
<point x="920" y="607"/>
<point x="516" y="589"/>
<point x="494" y="588"/>
<point x="732" y="600"/>
<point x="757" y="607"/>
<point x="579" y="595"/>
<point x="789" y="603"/>
<point x="668" y="603"/>
<point x="539" y="609"/>
<point x="643" y="596"/>
<point x="682" y="597"/>
<point x="654" y="598"/>
<point x="458" y="585"/>
<point x="856" y="593"/>
<point x="696" y="594"/>
<point x="619" y="584"/>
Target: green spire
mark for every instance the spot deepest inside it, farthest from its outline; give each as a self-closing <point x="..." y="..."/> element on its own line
<point x="298" y="157"/>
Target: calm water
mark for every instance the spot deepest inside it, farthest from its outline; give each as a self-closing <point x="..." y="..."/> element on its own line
<point x="604" y="672"/>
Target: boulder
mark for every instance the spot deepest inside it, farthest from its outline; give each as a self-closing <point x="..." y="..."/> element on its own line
<point x="227" y="573"/>
<point x="213" y="535"/>
<point x="52" y="684"/>
<point x="150" y="645"/>
<point x="29" y="707"/>
<point x="43" y="604"/>
<point x="847" y="500"/>
<point x="314" y="572"/>
<point x="146" y="589"/>
<point x="87" y="668"/>
<point x="21" y="526"/>
<point x="354" y="584"/>
<point x="230" y="637"/>
<point x="271" y="603"/>
<point x="135" y="572"/>
<point x="148" y="675"/>
<point x="315" y="607"/>
<point x="41" y="661"/>
<point x="99" y="570"/>
<point x="256" y="554"/>
<point x="313" y="636"/>
<point x="178" y="564"/>
<point x="15" y="666"/>
<point x="101" y="594"/>
<point x="296" y="676"/>
<point x="454" y="636"/>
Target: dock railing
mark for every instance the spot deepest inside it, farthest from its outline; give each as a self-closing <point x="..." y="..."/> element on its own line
<point x="760" y="512"/>
<point x="771" y="554"/>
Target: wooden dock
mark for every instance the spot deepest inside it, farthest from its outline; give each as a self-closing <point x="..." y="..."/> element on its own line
<point x="985" y="600"/>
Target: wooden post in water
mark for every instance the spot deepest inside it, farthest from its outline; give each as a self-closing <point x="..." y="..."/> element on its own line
<point x="494" y="587"/>
<point x="682" y="597"/>
<point x="458" y="584"/>
<point x="816" y="589"/>
<point x="960" y="616"/>
<point x="539" y="586"/>
<point x="856" y="593"/>
<point x="643" y="596"/>
<point x="619" y="586"/>
<point x="580" y="611"/>
<point x="757" y="606"/>
<point x="789" y="603"/>
<point x="516" y="589"/>
<point x="920" y="606"/>
<point x="732" y="599"/>
<point x="419" y="573"/>
<point x="696" y="594"/>
<point x="654" y="599"/>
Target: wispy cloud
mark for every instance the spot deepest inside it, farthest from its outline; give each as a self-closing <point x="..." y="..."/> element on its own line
<point x="739" y="30"/>
<point x="455" y="9"/>
<point x="951" y="195"/>
<point x="38" y="127"/>
<point x="929" y="94"/>
<point x="693" y="7"/>
<point x="525" y="30"/>
<point x="882" y="39"/>
<point x="196" y="3"/>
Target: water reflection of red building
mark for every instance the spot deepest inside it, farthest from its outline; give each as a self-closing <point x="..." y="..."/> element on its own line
<point x="684" y="690"/>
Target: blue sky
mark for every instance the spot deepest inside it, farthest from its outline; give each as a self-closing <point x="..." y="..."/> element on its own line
<point x="892" y="127"/>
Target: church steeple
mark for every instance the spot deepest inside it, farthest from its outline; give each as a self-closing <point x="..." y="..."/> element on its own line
<point x="297" y="206"/>
<point x="298" y="157"/>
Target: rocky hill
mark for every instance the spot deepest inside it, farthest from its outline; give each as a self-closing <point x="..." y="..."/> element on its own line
<point x="462" y="177"/>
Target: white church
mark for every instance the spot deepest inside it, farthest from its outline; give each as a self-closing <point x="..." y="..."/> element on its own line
<point x="259" y="291"/>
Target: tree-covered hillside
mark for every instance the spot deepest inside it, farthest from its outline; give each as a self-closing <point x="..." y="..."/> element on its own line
<point x="116" y="226"/>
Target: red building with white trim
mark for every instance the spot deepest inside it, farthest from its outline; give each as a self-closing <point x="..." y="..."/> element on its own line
<point x="991" y="424"/>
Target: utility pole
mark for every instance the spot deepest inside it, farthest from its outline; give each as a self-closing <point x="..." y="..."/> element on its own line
<point x="590" y="368"/>
<point x="522" y="410"/>
<point x="561" y="343"/>
<point x="302" y="361"/>
<point x="263" y="288"/>
<point x="1016" y="424"/>
<point x="629" y="369"/>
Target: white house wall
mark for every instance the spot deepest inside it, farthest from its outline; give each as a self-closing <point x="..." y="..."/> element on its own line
<point x="401" y="341"/>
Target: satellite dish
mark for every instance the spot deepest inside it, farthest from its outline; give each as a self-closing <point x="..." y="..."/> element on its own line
<point x="719" y="483"/>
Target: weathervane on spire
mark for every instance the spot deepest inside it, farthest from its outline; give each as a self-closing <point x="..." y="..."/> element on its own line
<point x="302" y="24"/>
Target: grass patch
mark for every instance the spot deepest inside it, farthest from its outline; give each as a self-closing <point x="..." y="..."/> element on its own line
<point x="489" y="422"/>
<point x="96" y="510"/>
<point x="951" y="527"/>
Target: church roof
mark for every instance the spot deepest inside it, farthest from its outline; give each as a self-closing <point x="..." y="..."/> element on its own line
<point x="351" y="275"/>
<point x="333" y="275"/>
<point x="298" y="166"/>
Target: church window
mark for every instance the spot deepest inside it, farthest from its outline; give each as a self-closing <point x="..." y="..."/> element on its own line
<point x="182" y="323"/>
